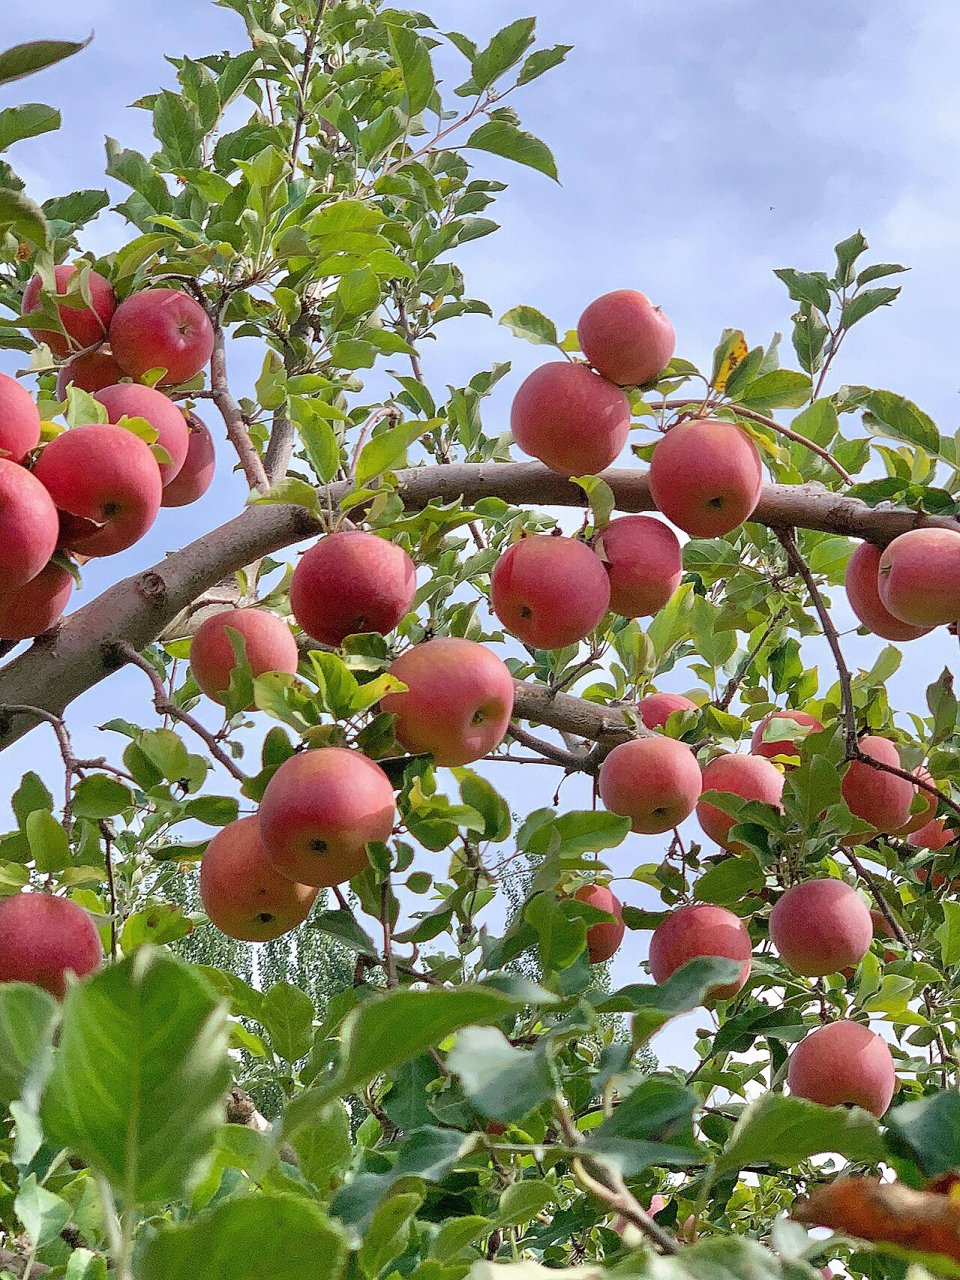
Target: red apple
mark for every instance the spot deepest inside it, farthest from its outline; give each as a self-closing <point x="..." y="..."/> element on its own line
<point x="751" y="777"/>
<point x="843" y="1064"/>
<point x="603" y="939"/>
<point x="270" y="646"/>
<point x="699" y="930"/>
<point x="919" y="577"/>
<point x="37" y="606"/>
<point x="196" y="475"/>
<point x="458" y="702"/>
<point x="644" y="564"/>
<point x="91" y="372"/>
<point x="84" y="325"/>
<point x="131" y="400"/>
<point x="28" y="525"/>
<point x="879" y="798"/>
<point x="863" y="592"/>
<point x="626" y="338"/>
<point x="161" y="329"/>
<point x="657" y="708"/>
<point x="549" y="592"/>
<point x="19" y="420"/>
<point x="820" y="927"/>
<point x="350" y="582"/>
<point x="705" y="476"/>
<point x="655" y="782"/>
<point x="243" y="893"/>
<point x="106" y="483"/>
<point x="319" y="812"/>
<point x="42" y="938"/>
<point x="783" y="739"/>
<point x="570" y="418"/>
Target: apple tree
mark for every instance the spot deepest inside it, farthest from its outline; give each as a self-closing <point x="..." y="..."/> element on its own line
<point x="307" y="971"/>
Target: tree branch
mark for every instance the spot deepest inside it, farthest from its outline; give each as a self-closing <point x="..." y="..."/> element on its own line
<point x="230" y="412"/>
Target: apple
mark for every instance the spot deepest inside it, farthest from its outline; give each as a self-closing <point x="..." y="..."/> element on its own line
<point x="706" y="477"/>
<point x="643" y="562"/>
<point x="919" y="577"/>
<point x="37" y="606"/>
<point x="751" y="777"/>
<point x="570" y="418"/>
<point x="242" y="892"/>
<point x="131" y="400"/>
<point x="654" y="781"/>
<point x="820" y="927"/>
<point x="19" y="420"/>
<point x="783" y="740"/>
<point x="161" y="329"/>
<point x="657" y="708"/>
<point x="881" y="799"/>
<point x="603" y="939"/>
<point x="843" y="1064"/>
<point x="105" y="482"/>
<point x="862" y="582"/>
<point x="84" y="325"/>
<point x="458" y="701"/>
<point x="270" y="646"/>
<point x="42" y="938"/>
<point x="626" y="338"/>
<point x="697" y="930"/>
<point x="549" y="592"/>
<point x="350" y="582"/>
<point x="29" y="525"/>
<point x="319" y="812"/>
<point x="196" y="475"/>
<point x="91" y="372"/>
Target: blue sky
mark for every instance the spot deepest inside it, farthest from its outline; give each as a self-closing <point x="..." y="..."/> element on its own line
<point x="699" y="147"/>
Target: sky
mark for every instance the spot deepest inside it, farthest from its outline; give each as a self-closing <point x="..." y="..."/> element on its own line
<point x="699" y="147"/>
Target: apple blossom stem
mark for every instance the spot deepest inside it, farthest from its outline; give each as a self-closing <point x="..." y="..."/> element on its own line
<point x="165" y="707"/>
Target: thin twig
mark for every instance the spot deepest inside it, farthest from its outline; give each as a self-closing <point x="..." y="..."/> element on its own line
<point x="572" y="761"/>
<point x="237" y="434"/>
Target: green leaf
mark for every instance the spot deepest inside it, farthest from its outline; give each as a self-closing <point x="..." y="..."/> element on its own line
<point x="42" y="1213"/>
<point x="25" y="59"/>
<point x="522" y="1201"/>
<point x="505" y="49"/>
<point x="929" y="1129"/>
<point x="22" y="216"/>
<point x="78" y="208"/>
<point x="818" y="422"/>
<point x="388" y="450"/>
<point x="30" y="795"/>
<point x="27" y="1018"/>
<point x="948" y="934"/>
<point x="176" y="122"/>
<point x="601" y="498"/>
<point x="288" y="1013"/>
<point x="580" y="831"/>
<point x="848" y="251"/>
<point x="653" y="1005"/>
<point x="878" y="271"/>
<point x="478" y="794"/>
<point x="893" y="415"/>
<point x="28" y="120"/>
<point x="100" y="796"/>
<point x="413" y="59"/>
<point x="805" y="286"/>
<point x="502" y="1082"/>
<point x="729" y="881"/>
<point x="48" y="841"/>
<point x="320" y="1135"/>
<point x="503" y="139"/>
<point x="138" y="1083"/>
<point x="783" y="388"/>
<point x="542" y="60"/>
<point x="343" y="926"/>
<point x="863" y="303"/>
<point x="781" y="1130"/>
<point x="653" y="1125"/>
<point x="531" y="325"/>
<point x="254" y="1237"/>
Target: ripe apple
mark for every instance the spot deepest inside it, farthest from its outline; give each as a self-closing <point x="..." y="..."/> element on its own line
<point x="626" y="338"/>
<point x="603" y="939"/>
<point x="934" y="835"/>
<point x="919" y="577"/>
<point x="91" y="372"/>
<point x="657" y="708"/>
<point x="697" y="930"/>
<point x="655" y="782"/>
<point x="37" y="606"/>
<point x="862" y="582"/>
<point x="458" y="702"/>
<point x="643" y="562"/>
<point x="42" y="938"/>
<point x="549" y="592"/>
<point x="84" y="325"/>
<point x="161" y="329"/>
<point x="705" y="476"/>
<point x="570" y="418"/>
<point x="751" y="777"/>
<point x="131" y="400"/>
<point x="196" y="475"/>
<point x="820" y="927"/>
<point x="319" y="812"/>
<point x="243" y="893"/>
<point x="106" y="483"/>
<point x="784" y="740"/>
<point x="19" y="420"/>
<point x="350" y="582"/>
<point x="881" y="799"/>
<point x="29" y="525"/>
<point x="843" y="1063"/>
<point x="270" y="646"/>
